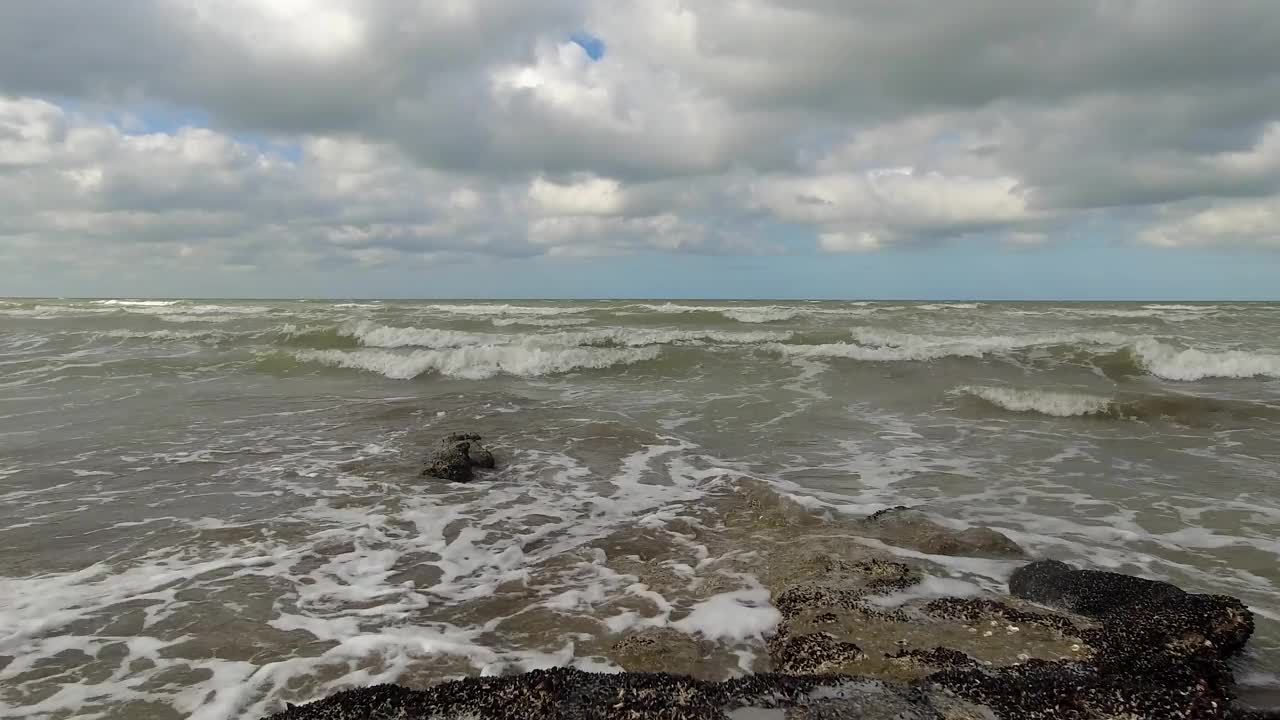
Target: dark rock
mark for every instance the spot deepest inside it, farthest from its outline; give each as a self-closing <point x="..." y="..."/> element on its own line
<point x="910" y="528"/>
<point x="460" y="453"/>
<point x="813" y="654"/>
<point x="1157" y="651"/>
<point x="452" y="464"/>
<point x="1146" y="614"/>
<point x="576" y="695"/>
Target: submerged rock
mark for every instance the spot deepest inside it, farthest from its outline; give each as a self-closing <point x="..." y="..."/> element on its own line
<point x="659" y="650"/>
<point x="905" y="527"/>
<point x="459" y="454"/>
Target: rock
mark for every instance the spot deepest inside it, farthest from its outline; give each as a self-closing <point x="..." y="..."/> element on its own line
<point x="452" y="464"/>
<point x="659" y="650"/>
<point x="460" y="452"/>
<point x="1147" y="614"/>
<point x="565" y="693"/>
<point x="1157" y="651"/>
<point x="814" y="654"/>
<point x="913" y="529"/>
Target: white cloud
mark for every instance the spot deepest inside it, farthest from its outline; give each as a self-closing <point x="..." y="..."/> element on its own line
<point x="1255" y="224"/>
<point x="425" y="130"/>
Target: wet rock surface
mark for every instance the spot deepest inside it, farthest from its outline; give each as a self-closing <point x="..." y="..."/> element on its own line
<point x="660" y="650"/>
<point x="905" y="527"/>
<point x="571" y="694"/>
<point x="859" y="636"/>
<point x="459" y="454"/>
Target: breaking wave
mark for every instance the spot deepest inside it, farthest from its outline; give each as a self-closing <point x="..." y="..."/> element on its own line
<point x="137" y="303"/>
<point x="882" y="346"/>
<point x="1045" y="402"/>
<point x="1183" y="409"/>
<point x="540" y="322"/>
<point x="1189" y="364"/>
<point x="478" y="363"/>
<point x="490" y="309"/>
<point x="370" y="334"/>
<point x="758" y="314"/>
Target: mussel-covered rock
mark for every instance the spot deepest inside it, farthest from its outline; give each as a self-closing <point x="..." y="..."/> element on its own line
<point x="458" y="455"/>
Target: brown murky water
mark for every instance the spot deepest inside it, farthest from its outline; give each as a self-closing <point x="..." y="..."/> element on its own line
<point x="211" y="508"/>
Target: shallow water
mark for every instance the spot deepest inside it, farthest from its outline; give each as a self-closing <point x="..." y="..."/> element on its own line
<point x="211" y="508"/>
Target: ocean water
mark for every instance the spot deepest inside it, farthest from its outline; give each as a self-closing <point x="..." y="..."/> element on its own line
<point x="209" y="508"/>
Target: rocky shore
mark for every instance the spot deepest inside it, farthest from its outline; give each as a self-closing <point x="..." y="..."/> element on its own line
<point x="1065" y="643"/>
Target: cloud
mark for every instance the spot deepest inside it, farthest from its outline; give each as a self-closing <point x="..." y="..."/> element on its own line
<point x="381" y="132"/>
<point x="1244" y="224"/>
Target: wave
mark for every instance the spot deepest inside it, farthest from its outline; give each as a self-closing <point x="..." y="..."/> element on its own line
<point x="479" y="363"/>
<point x="1183" y="409"/>
<point x="175" y="318"/>
<point x="949" y="306"/>
<point x="371" y="334"/>
<point x="137" y="303"/>
<point x="1044" y="402"/>
<point x="365" y="333"/>
<point x="886" y="346"/>
<point x="540" y="322"/>
<point x="161" y="334"/>
<point x="758" y="313"/>
<point x="488" y="309"/>
<point x="197" y="309"/>
<point x="1143" y="354"/>
<point x="1171" y="363"/>
<point x="763" y="315"/>
<point x="625" y="337"/>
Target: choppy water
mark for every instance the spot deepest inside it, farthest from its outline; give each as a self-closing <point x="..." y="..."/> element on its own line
<point x="208" y="507"/>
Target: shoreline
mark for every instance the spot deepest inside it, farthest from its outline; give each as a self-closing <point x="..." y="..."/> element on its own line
<point x="839" y="640"/>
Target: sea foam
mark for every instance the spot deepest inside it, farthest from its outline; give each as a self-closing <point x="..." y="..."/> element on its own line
<point x="479" y="362"/>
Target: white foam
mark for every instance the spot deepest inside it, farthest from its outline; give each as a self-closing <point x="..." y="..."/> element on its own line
<point x="763" y="315"/>
<point x="382" y="336"/>
<point x="488" y="309"/>
<point x="540" y="322"/>
<point x="1045" y="402"/>
<point x="950" y="306"/>
<point x="480" y="362"/>
<point x="1190" y="364"/>
<point x="137" y="303"/>
<point x="882" y="346"/>
<point x="639" y="337"/>
<point x="735" y="617"/>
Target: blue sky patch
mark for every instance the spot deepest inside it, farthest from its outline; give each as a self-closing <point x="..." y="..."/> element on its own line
<point x="593" y="45"/>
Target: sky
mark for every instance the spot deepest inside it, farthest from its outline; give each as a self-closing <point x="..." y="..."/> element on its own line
<point x="992" y="149"/>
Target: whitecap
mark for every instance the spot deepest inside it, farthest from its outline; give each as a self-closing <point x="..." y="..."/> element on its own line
<point x="479" y="362"/>
<point x="487" y="309"/>
<point x="1170" y="363"/>
<point x="1045" y="402"/>
<point x="137" y="303"/>
<point x="540" y="322"/>
<point x="383" y="336"/>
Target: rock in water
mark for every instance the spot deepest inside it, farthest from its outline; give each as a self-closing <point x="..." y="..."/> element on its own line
<point x="905" y="527"/>
<point x="460" y="452"/>
<point x="1158" y="652"/>
<point x="1181" y="622"/>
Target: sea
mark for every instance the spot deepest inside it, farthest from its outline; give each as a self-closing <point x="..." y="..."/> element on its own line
<point x="210" y="508"/>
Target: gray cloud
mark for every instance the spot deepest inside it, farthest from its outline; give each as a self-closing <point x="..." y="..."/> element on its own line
<point x="434" y="129"/>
